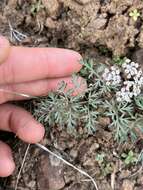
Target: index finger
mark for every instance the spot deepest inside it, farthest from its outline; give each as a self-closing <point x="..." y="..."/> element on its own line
<point x="27" y="64"/>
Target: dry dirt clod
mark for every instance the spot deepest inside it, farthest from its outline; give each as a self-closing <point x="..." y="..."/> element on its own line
<point x="125" y="174"/>
<point x="104" y="121"/>
<point x="73" y="153"/>
<point x="140" y="39"/>
<point x="83" y="2"/>
<point x="118" y="29"/>
<point x="32" y="184"/>
<point x="49" y="176"/>
<point x="140" y="180"/>
<point x="50" y="23"/>
<point x="138" y="57"/>
<point x="52" y="7"/>
<point x="99" y="23"/>
<point x="127" y="185"/>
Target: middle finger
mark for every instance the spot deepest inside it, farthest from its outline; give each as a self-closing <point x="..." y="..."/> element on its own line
<point x="39" y="88"/>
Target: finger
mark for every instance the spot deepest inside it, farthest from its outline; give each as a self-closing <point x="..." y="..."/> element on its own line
<point x="20" y="122"/>
<point x="4" y="49"/>
<point x="7" y="165"/>
<point x="40" y="88"/>
<point x="26" y="64"/>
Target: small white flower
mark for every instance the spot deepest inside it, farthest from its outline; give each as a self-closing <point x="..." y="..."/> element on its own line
<point x="113" y="68"/>
<point x="129" y="76"/>
<point x="118" y="77"/>
<point x="132" y="72"/>
<point x="141" y="80"/>
<point x="123" y="89"/>
<point x="114" y="73"/>
<point x="124" y="65"/>
<point x="127" y="88"/>
<point x="117" y="71"/>
<point x="126" y="97"/>
<point x="131" y="94"/>
<point x="106" y="70"/>
<point x="125" y="82"/>
<point x="108" y="83"/>
<point x="114" y="83"/>
<point x="127" y="60"/>
<point x="136" y="65"/>
<point x="119" y="99"/>
<point x="136" y="89"/>
<point x="127" y="71"/>
<point x="136" y="80"/>
<point x="139" y="74"/>
<point x="128" y="83"/>
<point x="132" y="64"/>
<point x="135" y="94"/>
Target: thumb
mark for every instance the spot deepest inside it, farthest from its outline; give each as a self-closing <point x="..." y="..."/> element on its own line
<point x="4" y="49"/>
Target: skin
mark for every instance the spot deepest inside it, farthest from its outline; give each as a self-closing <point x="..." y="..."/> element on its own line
<point x="33" y="71"/>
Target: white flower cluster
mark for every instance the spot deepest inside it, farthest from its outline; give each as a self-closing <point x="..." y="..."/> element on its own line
<point x="130" y="76"/>
<point x="130" y="68"/>
<point x="112" y="76"/>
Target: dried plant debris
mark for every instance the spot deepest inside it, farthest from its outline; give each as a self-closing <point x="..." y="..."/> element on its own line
<point x="113" y="92"/>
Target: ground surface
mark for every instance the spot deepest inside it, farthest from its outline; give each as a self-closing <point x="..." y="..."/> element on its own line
<point x="98" y="29"/>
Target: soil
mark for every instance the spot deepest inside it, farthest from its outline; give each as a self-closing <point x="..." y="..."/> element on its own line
<point x="96" y="28"/>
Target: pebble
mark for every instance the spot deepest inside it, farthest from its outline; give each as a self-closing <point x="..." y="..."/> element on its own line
<point x="52" y="6"/>
<point x="49" y="176"/>
<point x="83" y="2"/>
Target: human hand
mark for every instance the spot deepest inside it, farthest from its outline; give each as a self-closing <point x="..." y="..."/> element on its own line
<point x="33" y="71"/>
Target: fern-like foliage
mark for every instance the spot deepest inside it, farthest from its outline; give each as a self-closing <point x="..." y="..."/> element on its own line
<point x="99" y="100"/>
<point x="139" y="102"/>
<point x="121" y="115"/>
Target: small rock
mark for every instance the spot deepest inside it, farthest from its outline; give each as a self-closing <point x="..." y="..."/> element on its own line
<point x="139" y="188"/>
<point x="140" y="180"/>
<point x="69" y="176"/>
<point x="50" y="23"/>
<point x="93" y="148"/>
<point x="127" y="185"/>
<point x="140" y="39"/>
<point x="32" y="184"/>
<point x="83" y="2"/>
<point x="49" y="177"/>
<point x="124" y="174"/>
<point x="98" y="23"/>
<point x="104" y="121"/>
<point x="54" y="161"/>
<point x="52" y="6"/>
<point x="73" y="153"/>
<point x="89" y="162"/>
<point x="105" y="185"/>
